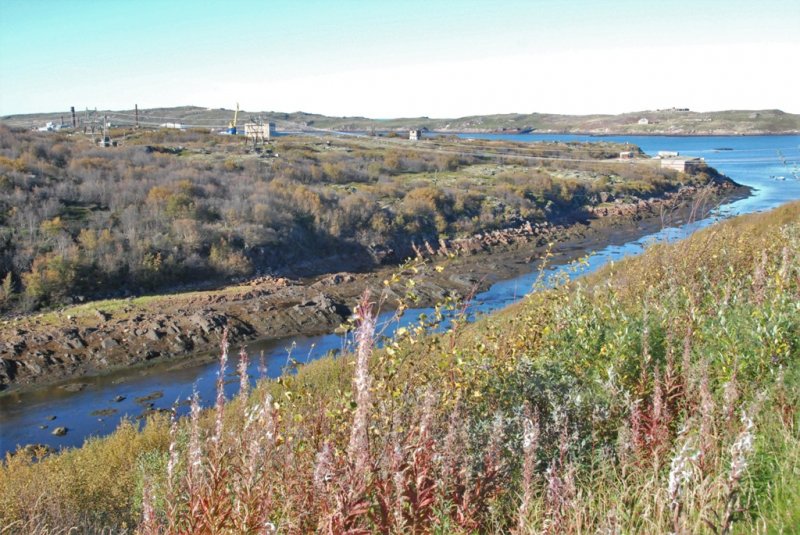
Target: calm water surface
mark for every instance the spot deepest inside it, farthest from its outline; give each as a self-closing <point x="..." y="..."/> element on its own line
<point x="755" y="161"/>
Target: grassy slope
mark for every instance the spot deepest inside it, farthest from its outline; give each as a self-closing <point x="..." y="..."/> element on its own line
<point x="733" y="121"/>
<point x="679" y="324"/>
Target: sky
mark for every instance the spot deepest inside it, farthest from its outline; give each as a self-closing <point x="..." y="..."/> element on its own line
<point x="400" y="58"/>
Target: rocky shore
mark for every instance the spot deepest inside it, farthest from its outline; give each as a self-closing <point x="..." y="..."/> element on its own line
<point x="97" y="337"/>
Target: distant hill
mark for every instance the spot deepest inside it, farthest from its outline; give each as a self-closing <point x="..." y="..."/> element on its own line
<point x="672" y="121"/>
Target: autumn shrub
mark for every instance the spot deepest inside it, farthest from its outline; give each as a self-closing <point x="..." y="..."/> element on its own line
<point x="313" y="197"/>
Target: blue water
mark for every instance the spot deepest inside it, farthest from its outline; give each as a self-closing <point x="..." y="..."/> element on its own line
<point x="754" y="161"/>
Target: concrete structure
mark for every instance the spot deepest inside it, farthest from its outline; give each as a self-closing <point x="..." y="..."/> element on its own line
<point x="259" y="131"/>
<point x="415" y="135"/>
<point x="626" y="155"/>
<point x="644" y="120"/>
<point x="682" y="164"/>
<point x="177" y="126"/>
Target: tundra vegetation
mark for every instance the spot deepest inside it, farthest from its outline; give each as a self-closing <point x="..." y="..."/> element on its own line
<point x="658" y="395"/>
<point x="664" y="122"/>
<point x="170" y="208"/>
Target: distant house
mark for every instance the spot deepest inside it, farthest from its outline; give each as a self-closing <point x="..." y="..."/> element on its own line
<point x="177" y="126"/>
<point x="668" y="154"/>
<point x="259" y="131"/>
<point x="644" y="120"/>
<point x="415" y="135"/>
<point x="626" y="155"/>
<point x="682" y="164"/>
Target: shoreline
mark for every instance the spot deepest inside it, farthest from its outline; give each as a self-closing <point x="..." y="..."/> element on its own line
<point x="558" y="133"/>
<point x="184" y="327"/>
<point x="609" y="134"/>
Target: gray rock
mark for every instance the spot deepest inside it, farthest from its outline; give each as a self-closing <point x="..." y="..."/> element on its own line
<point x="154" y="335"/>
<point x="8" y="369"/>
<point x="60" y="431"/>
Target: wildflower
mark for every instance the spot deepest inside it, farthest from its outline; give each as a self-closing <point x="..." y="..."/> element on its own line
<point x="323" y="467"/>
<point x="708" y="411"/>
<point x="358" y="448"/>
<point x="244" y="379"/>
<point x="262" y="365"/>
<point x="220" y="402"/>
<point x="149" y="521"/>
<point x="173" y="449"/>
<point x="269" y="420"/>
<point x="681" y="471"/>
<point x="741" y="449"/>
<point x="195" y="451"/>
<point x="530" y="443"/>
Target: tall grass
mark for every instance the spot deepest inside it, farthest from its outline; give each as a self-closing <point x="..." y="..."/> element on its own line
<point x="658" y="396"/>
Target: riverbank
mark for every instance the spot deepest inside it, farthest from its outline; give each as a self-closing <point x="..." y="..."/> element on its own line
<point x="571" y="353"/>
<point x="106" y="336"/>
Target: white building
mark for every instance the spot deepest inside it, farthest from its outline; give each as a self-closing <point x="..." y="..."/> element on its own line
<point x="259" y="131"/>
<point x="644" y="120"/>
<point x="415" y="135"/>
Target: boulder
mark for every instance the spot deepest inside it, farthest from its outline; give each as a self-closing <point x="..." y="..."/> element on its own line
<point x="8" y="370"/>
<point x="109" y="343"/>
<point x="154" y="335"/>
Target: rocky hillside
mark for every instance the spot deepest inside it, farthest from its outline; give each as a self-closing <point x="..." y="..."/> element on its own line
<point x="674" y="121"/>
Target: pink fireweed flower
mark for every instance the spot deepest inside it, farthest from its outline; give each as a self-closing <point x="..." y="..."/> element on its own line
<point x="244" y="378"/>
<point x="358" y="448"/>
<point x="220" y="402"/>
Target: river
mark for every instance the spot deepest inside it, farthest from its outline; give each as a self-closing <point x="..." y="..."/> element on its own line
<point x="768" y="164"/>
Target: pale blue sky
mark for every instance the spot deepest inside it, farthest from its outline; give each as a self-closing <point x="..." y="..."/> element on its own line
<point x="400" y="58"/>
